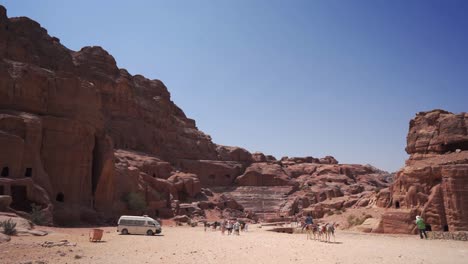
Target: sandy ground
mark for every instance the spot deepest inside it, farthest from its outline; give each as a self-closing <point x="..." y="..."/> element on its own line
<point x="194" y="245"/>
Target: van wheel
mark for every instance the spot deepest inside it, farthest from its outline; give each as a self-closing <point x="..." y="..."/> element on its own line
<point x="124" y="232"/>
<point x="149" y="233"/>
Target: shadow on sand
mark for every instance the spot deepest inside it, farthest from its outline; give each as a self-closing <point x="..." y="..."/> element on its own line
<point x="337" y="242"/>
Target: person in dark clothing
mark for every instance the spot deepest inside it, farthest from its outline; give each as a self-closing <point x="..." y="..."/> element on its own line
<point x="308" y="221"/>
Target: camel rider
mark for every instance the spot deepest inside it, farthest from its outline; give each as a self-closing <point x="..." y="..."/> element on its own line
<point x="308" y="221"/>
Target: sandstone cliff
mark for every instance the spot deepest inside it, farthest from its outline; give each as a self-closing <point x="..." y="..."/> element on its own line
<point x="88" y="141"/>
<point x="434" y="182"/>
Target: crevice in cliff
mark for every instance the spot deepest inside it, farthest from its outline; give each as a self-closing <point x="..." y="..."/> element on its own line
<point x="96" y="166"/>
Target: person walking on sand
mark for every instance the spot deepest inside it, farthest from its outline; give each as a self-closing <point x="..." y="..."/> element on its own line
<point x="421" y="227"/>
<point x="223" y="227"/>
<point x="229" y="227"/>
<point x="236" y="227"/>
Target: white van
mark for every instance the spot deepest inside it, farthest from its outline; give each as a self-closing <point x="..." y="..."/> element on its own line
<point x="138" y="225"/>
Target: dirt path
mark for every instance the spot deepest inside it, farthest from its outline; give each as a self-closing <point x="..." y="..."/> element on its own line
<point x="193" y="245"/>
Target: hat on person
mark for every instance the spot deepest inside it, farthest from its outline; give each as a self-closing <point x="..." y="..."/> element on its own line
<point x="417" y="217"/>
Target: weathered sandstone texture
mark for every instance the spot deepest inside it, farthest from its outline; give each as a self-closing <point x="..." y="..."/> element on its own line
<point x="434" y="182"/>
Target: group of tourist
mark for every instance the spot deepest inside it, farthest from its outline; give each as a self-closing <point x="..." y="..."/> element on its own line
<point x="231" y="226"/>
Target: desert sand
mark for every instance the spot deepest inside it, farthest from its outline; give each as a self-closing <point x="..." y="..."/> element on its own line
<point x="194" y="245"/>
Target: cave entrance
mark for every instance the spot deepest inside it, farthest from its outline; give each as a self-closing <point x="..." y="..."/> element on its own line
<point x="60" y="197"/>
<point x="428" y="227"/>
<point x="156" y="213"/>
<point x="28" y="172"/>
<point x="397" y="205"/>
<point x="5" y="172"/>
<point x="2" y="190"/>
<point x="463" y="145"/>
<point x="19" y="196"/>
<point x="446" y="228"/>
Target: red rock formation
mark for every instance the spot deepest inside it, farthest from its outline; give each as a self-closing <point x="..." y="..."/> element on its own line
<point x="78" y="135"/>
<point x="264" y="174"/>
<point x="434" y="181"/>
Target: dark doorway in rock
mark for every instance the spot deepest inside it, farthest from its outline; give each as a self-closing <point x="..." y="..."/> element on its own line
<point x="5" y="172"/>
<point x="397" y="205"/>
<point x="156" y="213"/>
<point x="446" y="228"/>
<point x="463" y="145"/>
<point x="154" y="175"/>
<point x="428" y="227"/>
<point x="19" y="196"/>
<point x="2" y="190"/>
<point x="28" y="172"/>
<point x="212" y="178"/>
<point x="60" y="197"/>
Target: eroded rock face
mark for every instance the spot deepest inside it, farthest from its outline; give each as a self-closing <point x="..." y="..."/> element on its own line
<point x="435" y="179"/>
<point x="62" y="113"/>
<point x="264" y="174"/>
<point x="79" y="136"/>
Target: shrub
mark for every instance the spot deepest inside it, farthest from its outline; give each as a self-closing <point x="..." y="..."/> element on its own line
<point x="350" y="220"/>
<point x="37" y="217"/>
<point x="9" y="227"/>
<point x="355" y="221"/>
<point x="135" y="201"/>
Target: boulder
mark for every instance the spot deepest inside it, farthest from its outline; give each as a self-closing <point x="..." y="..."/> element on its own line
<point x="186" y="183"/>
<point x="181" y="218"/>
<point x="258" y="157"/>
<point x="370" y="225"/>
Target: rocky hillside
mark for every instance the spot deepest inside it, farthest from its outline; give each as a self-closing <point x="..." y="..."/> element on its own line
<point x="87" y="142"/>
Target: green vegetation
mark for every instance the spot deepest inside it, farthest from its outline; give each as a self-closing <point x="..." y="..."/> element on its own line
<point x="135" y="201"/>
<point x="37" y="217"/>
<point x="9" y="227"/>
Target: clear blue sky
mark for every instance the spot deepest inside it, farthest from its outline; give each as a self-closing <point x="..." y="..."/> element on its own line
<point x="294" y="78"/>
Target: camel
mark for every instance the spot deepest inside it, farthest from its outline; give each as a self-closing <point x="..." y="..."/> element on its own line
<point x="312" y="230"/>
<point x="328" y="230"/>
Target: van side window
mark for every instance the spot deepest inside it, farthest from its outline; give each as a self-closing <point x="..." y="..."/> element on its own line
<point x="129" y="222"/>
